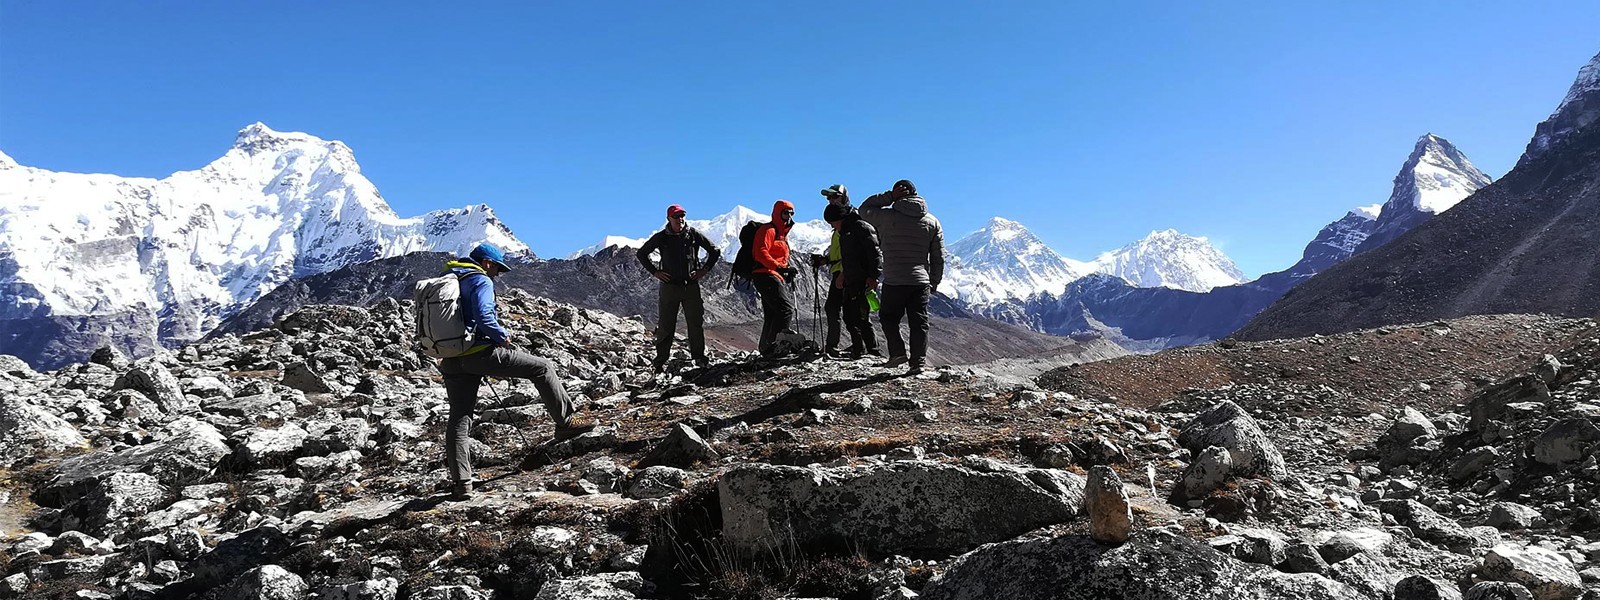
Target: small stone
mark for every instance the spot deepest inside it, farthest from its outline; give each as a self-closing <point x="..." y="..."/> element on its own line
<point x="1106" y="503"/>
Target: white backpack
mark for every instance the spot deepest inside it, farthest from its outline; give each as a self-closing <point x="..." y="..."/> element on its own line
<point x="441" y="328"/>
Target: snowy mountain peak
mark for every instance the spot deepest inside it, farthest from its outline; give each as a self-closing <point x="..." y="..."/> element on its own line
<point x="6" y="162"/>
<point x="723" y="231"/>
<point x="1434" y="178"/>
<point x="1369" y="212"/>
<point x="1006" y="260"/>
<point x="1580" y="108"/>
<point x="257" y="138"/>
<point x="1167" y="258"/>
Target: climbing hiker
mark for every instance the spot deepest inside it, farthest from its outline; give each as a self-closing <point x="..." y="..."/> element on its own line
<point x="770" y="251"/>
<point x="680" y="272"/>
<point x="913" y="264"/>
<point x="853" y="262"/>
<point x="491" y="355"/>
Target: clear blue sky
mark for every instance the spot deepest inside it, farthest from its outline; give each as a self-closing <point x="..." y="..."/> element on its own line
<point x="1093" y="123"/>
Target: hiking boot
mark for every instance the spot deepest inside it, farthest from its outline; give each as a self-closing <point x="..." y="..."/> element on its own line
<point x="658" y="367"/>
<point x="916" y="367"/>
<point x="702" y="362"/>
<point x="895" y="361"/>
<point x="574" y="427"/>
<point x="460" y="490"/>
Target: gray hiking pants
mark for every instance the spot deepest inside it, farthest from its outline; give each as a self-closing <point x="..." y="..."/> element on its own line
<point x="463" y="376"/>
<point x="688" y="297"/>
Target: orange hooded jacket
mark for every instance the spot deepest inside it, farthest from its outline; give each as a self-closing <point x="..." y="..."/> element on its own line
<point x="771" y="250"/>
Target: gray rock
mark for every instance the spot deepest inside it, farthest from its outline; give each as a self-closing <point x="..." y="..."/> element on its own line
<point x="604" y="586"/>
<point x="900" y="507"/>
<point x="266" y="582"/>
<point x="93" y="566"/>
<point x="15" y="586"/>
<point x="298" y="375"/>
<point x="1411" y="425"/>
<point x="1497" y="590"/>
<point x="1106" y="503"/>
<point x="250" y="408"/>
<point x="377" y="589"/>
<point x="552" y="540"/>
<point x="1474" y="462"/>
<point x="1369" y="574"/>
<point x="1208" y="472"/>
<point x="682" y="448"/>
<point x="118" y="497"/>
<point x="150" y="377"/>
<point x="1429" y="525"/>
<point x="208" y="387"/>
<point x="1418" y="587"/>
<point x="186" y="453"/>
<point x="1229" y="426"/>
<point x="186" y="544"/>
<point x="1510" y="515"/>
<point x="230" y="559"/>
<point x="1567" y="441"/>
<point x="1338" y="546"/>
<point x="32" y="543"/>
<point x="1547" y="574"/>
<point x="1153" y="563"/>
<point x="27" y="430"/>
<point x="1490" y="403"/>
<point x="74" y="542"/>
<point x="657" y="482"/>
<point x="1301" y="557"/>
<point x="110" y="357"/>
<point x="450" y="592"/>
<point x="270" y="447"/>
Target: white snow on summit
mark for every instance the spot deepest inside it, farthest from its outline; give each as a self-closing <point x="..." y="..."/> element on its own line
<point x="197" y="245"/>
<point x="1005" y="260"/>
<point x="1172" y="260"/>
<point x="1580" y="108"/>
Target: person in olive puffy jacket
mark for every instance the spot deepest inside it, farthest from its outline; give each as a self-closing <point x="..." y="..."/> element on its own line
<point x="913" y="265"/>
<point x="771" y="253"/>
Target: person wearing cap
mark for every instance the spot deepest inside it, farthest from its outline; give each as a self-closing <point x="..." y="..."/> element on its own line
<point x="853" y="262"/>
<point x="494" y="357"/>
<point x="680" y="272"/>
<point x="771" y="254"/>
<point x="913" y="266"/>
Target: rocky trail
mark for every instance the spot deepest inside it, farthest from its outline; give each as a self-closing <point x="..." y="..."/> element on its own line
<point x="1454" y="459"/>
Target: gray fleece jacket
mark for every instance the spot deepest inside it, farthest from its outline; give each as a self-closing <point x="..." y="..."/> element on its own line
<point x="912" y="239"/>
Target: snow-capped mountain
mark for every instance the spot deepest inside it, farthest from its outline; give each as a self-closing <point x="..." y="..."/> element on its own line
<point x="1172" y="260"/>
<point x="1434" y="178"/>
<point x="1005" y="260"/>
<point x="723" y="231"/>
<point x="197" y="245"/>
<point x="1577" y="110"/>
<point x="1337" y="241"/>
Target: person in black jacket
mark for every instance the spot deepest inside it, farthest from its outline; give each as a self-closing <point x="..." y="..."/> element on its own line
<point x="680" y="272"/>
<point x="854" y="263"/>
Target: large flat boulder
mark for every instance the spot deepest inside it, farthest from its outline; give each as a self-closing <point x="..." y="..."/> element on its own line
<point x="910" y="507"/>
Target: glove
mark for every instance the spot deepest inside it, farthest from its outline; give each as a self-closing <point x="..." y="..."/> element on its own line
<point x="789" y="273"/>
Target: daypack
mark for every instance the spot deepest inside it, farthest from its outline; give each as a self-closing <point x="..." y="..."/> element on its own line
<point x="441" y="326"/>
<point x="744" y="263"/>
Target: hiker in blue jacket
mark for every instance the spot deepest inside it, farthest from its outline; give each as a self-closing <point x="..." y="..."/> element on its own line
<point x="494" y="357"/>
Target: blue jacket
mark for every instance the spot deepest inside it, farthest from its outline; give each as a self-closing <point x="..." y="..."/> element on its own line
<point x="477" y="304"/>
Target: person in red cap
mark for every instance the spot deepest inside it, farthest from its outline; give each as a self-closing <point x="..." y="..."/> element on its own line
<point x="680" y="271"/>
<point x="771" y="253"/>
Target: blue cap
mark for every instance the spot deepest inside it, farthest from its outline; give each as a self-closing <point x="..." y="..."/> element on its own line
<point x="490" y="252"/>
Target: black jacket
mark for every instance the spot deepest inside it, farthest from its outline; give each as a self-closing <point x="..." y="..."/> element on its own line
<point x="859" y="251"/>
<point x="679" y="253"/>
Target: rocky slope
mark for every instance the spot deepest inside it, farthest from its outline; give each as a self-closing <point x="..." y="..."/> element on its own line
<point x="1434" y="178"/>
<point x="302" y="459"/>
<point x="88" y="260"/>
<point x="1523" y="244"/>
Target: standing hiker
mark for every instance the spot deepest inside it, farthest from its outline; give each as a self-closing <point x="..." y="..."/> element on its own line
<point x="770" y="251"/>
<point x="680" y="272"/>
<point x="491" y="356"/>
<point x="853" y="262"/>
<point x="913" y="265"/>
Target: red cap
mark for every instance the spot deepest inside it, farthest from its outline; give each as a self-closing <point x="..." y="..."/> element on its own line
<point x="675" y="210"/>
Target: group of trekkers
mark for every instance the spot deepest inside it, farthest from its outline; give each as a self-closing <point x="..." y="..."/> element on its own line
<point x="891" y="243"/>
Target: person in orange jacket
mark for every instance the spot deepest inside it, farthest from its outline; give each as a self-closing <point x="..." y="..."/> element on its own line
<point x="771" y="253"/>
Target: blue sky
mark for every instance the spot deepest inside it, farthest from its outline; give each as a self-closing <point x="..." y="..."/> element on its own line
<point x="1252" y="123"/>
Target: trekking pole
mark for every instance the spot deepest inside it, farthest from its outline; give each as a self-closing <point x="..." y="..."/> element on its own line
<point x="489" y="381"/>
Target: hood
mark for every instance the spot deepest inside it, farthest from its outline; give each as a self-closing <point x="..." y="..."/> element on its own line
<point x="777" y="213"/>
<point x="913" y="206"/>
<point x="462" y="266"/>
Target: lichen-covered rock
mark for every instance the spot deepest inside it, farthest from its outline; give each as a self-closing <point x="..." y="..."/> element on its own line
<point x="1106" y="503"/>
<point x="119" y="497"/>
<point x="185" y="453"/>
<point x="1547" y="574"/>
<point x="657" y="482"/>
<point x="1208" y="472"/>
<point x="27" y="430"/>
<point x="1153" y="563"/>
<point x="1429" y="525"/>
<point x="266" y="582"/>
<point x="151" y="378"/>
<point x="908" y="507"/>
<point x="1229" y="426"/>
<point x="267" y="447"/>
<point x="604" y="586"/>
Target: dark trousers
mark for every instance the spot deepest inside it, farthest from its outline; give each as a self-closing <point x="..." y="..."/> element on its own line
<point x="900" y="301"/>
<point x="674" y="296"/>
<point x="858" y="319"/>
<point x="834" y="309"/>
<point x="463" y="376"/>
<point x="777" y="309"/>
